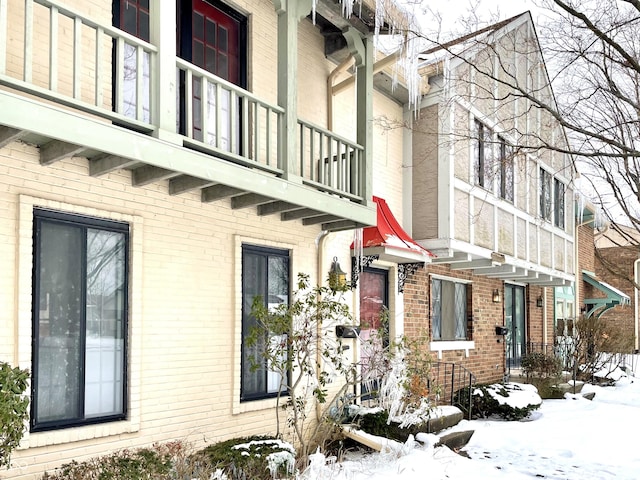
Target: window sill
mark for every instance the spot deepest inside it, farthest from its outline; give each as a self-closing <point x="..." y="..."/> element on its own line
<point x="76" y="434"/>
<point x="448" y="345"/>
<point x="255" y="405"/>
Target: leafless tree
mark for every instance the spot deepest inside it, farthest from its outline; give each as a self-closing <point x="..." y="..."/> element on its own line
<point x="591" y="58"/>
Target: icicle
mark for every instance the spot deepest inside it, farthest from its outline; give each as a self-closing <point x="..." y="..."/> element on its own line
<point x="581" y="202"/>
<point x="358" y="252"/>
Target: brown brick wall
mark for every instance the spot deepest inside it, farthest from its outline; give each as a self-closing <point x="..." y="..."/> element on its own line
<point x="622" y="259"/>
<point x="486" y="361"/>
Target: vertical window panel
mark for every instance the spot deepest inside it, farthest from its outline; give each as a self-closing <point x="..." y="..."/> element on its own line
<point x="80" y="289"/>
<point x="265" y="274"/>
<point x="545" y="194"/>
<point x="449" y="309"/>
<point x="559" y="191"/>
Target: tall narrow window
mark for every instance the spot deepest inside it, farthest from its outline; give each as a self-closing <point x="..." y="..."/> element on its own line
<point x="545" y="194"/>
<point x="449" y="309"/>
<point x="79" y="320"/>
<point x="265" y="274"/>
<point x="132" y="16"/>
<point x="505" y="173"/>
<point x="558" y="203"/>
<point x="483" y="156"/>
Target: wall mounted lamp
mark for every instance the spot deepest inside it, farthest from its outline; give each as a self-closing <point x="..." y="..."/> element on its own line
<point x="539" y="302"/>
<point x="496" y="296"/>
<point x="337" y="277"/>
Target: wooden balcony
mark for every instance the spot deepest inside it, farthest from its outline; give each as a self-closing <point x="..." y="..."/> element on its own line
<point x="93" y="91"/>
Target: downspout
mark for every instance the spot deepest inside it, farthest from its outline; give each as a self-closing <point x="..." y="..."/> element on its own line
<point x="635" y="305"/>
<point x="320" y="244"/>
<point x="545" y="329"/>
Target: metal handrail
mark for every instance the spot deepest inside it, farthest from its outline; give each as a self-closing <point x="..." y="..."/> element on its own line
<point x="448" y="382"/>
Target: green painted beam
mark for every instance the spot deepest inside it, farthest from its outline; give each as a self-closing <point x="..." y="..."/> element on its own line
<point x="22" y="113"/>
<point x="108" y="163"/>
<point x="147" y="174"/>
<point x="8" y="135"/>
<point x="219" y="192"/>
<point x="249" y="200"/>
<point x="185" y="183"/>
<point x="56" y="150"/>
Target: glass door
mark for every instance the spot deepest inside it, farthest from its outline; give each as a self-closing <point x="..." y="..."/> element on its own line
<point x="515" y="321"/>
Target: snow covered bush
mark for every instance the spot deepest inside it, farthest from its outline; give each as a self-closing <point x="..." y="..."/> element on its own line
<point x="252" y="458"/>
<point x="511" y="401"/>
<point x="314" y="371"/>
<point x="297" y="342"/>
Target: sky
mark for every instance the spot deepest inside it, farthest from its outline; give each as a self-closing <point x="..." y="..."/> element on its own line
<point x="446" y="15"/>
<point x="569" y="439"/>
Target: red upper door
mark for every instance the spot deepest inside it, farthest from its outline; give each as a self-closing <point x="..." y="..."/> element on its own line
<point x="132" y="16"/>
<point x="217" y="40"/>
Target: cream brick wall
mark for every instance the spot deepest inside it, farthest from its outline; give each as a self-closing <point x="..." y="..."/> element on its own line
<point x="184" y="332"/>
<point x="184" y="326"/>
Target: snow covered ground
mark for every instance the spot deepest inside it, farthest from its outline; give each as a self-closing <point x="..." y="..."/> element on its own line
<point x="565" y="439"/>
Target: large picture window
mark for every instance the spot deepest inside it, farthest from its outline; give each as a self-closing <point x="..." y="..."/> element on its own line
<point x="79" y="320"/>
<point x="449" y="309"/>
<point x="265" y="274"/>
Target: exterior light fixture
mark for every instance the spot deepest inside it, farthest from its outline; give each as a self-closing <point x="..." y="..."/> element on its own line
<point x="496" y="296"/>
<point x="539" y="302"/>
<point x="337" y="277"/>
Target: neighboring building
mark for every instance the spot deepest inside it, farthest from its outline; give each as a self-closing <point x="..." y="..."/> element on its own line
<point x="617" y="262"/>
<point x="153" y="184"/>
<point x="493" y="205"/>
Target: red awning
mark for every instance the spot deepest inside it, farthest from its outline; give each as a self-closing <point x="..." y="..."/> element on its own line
<point x="389" y="241"/>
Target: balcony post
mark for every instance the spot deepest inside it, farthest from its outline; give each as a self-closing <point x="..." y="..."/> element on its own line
<point x="163" y="70"/>
<point x="290" y="12"/>
<point x="362" y="50"/>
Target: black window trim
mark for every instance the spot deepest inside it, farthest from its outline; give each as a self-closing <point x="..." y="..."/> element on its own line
<point x="559" y="204"/>
<point x="507" y="185"/>
<point x="545" y="192"/>
<point x="263" y="250"/>
<point x="85" y="222"/>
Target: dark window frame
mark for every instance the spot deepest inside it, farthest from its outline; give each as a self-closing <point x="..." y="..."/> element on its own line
<point x="185" y="34"/>
<point x="546" y="194"/>
<point x="506" y="172"/>
<point x="143" y="6"/>
<point x="483" y="156"/>
<point x="84" y="223"/>
<point x="559" y="203"/>
<point x="143" y="32"/>
<point x="266" y="253"/>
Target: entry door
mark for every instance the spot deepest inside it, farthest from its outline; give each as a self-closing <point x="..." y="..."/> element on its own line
<point x="214" y="38"/>
<point x="515" y="322"/>
<point x="374" y="328"/>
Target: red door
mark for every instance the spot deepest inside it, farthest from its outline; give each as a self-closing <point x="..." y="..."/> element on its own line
<point x="374" y="327"/>
<point x="215" y="41"/>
